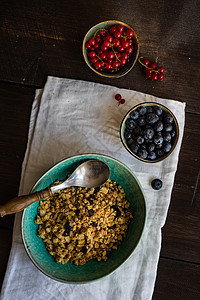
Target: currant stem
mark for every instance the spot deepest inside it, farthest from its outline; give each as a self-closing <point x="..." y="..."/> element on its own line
<point x="98" y="31"/>
<point x="100" y="59"/>
<point x="115" y="54"/>
<point x="139" y="59"/>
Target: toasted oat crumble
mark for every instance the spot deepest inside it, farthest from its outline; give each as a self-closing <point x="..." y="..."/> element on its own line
<point x="78" y="224"/>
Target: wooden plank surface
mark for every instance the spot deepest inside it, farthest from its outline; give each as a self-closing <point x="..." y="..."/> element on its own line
<point x="177" y="280"/>
<point x="39" y="39"/>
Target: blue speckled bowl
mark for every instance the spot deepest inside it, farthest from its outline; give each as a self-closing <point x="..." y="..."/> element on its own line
<point x="92" y="270"/>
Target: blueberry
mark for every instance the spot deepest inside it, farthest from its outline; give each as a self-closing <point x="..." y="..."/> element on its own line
<point x="128" y="135"/>
<point x="134" y="115"/>
<point x="130" y="124"/>
<point x="151" y="155"/>
<point x="151" y="147"/>
<point x="159" y="146"/>
<point x="168" y="127"/>
<point x="158" y="111"/>
<point x="77" y="211"/>
<point x="141" y="121"/>
<point x="140" y="140"/>
<point x="84" y="249"/>
<point x="142" y="153"/>
<point x="142" y="110"/>
<point x="138" y="131"/>
<point x="167" y="137"/>
<point x="158" y="126"/>
<point x="148" y="141"/>
<point x="168" y="118"/>
<point x="134" y="148"/>
<point x="152" y="118"/>
<point x="67" y="229"/>
<point x="148" y="133"/>
<point x="173" y="133"/>
<point x="129" y="141"/>
<point x="117" y="210"/>
<point x="156" y="184"/>
<point x="143" y="146"/>
<point x="167" y="147"/>
<point x="160" y="152"/>
<point x="158" y="140"/>
<point x="91" y="212"/>
<point x="149" y="109"/>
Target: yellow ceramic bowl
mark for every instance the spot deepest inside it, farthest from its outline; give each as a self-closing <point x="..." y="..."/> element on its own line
<point x="133" y="56"/>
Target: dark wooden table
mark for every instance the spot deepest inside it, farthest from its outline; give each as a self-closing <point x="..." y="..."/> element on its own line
<point x="44" y="38"/>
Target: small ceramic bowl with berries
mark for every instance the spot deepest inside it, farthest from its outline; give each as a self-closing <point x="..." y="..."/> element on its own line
<point x="149" y="131"/>
<point x="111" y="48"/>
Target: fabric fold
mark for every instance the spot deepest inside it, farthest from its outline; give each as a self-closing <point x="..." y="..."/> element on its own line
<point x="71" y="117"/>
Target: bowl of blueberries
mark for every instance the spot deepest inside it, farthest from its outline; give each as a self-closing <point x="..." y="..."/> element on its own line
<point x="149" y="131"/>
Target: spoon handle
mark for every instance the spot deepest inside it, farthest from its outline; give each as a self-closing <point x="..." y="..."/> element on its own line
<point x="19" y="203"/>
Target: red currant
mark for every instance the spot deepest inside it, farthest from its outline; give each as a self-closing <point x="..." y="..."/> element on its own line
<point x="117" y="34"/>
<point x="153" y="65"/>
<point x="97" y="65"/>
<point x="149" y="71"/>
<point x="148" y="75"/>
<point x="115" y="64"/>
<point x="106" y="43"/>
<point x="116" y="42"/>
<point x="103" y="55"/>
<point x="129" y="33"/>
<point x="109" y="38"/>
<point x="94" y="60"/>
<point x="154" y="76"/>
<point x="122" y="101"/>
<point x="120" y="49"/>
<point x="98" y="39"/>
<point x="145" y="61"/>
<point x="120" y="28"/>
<point x="113" y="29"/>
<point x="160" y="76"/>
<point x="92" y="42"/>
<point x="110" y="54"/>
<point x="92" y="54"/>
<point x="122" y="61"/>
<point x="103" y="32"/>
<point x="108" y="66"/>
<point x="104" y="48"/>
<point x="125" y="44"/>
<point x="129" y="49"/>
<point x="118" y="97"/>
<point x="87" y="46"/>
<point x="96" y="46"/>
<point x="125" y="55"/>
<point x="161" y="69"/>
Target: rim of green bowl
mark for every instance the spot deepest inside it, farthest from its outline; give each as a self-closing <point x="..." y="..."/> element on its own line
<point x="115" y="75"/>
<point x="115" y="267"/>
<point x="149" y="104"/>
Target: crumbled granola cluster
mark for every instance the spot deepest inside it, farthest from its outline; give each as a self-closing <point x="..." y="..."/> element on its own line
<point x="78" y="224"/>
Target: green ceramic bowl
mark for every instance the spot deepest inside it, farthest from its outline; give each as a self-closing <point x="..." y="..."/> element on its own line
<point x="173" y="140"/>
<point x="93" y="269"/>
<point x="133" y="56"/>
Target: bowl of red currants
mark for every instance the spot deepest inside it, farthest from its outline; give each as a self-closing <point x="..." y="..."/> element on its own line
<point x="111" y="48"/>
<point x="149" y="131"/>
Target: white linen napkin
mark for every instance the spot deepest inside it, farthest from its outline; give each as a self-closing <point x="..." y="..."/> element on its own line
<point x="71" y="117"/>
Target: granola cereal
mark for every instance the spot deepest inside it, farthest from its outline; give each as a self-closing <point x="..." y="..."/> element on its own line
<point x="78" y="224"/>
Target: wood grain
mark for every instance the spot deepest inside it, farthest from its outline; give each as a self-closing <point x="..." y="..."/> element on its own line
<point x="177" y="280"/>
<point x="42" y="39"/>
<point x="39" y="39"/>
